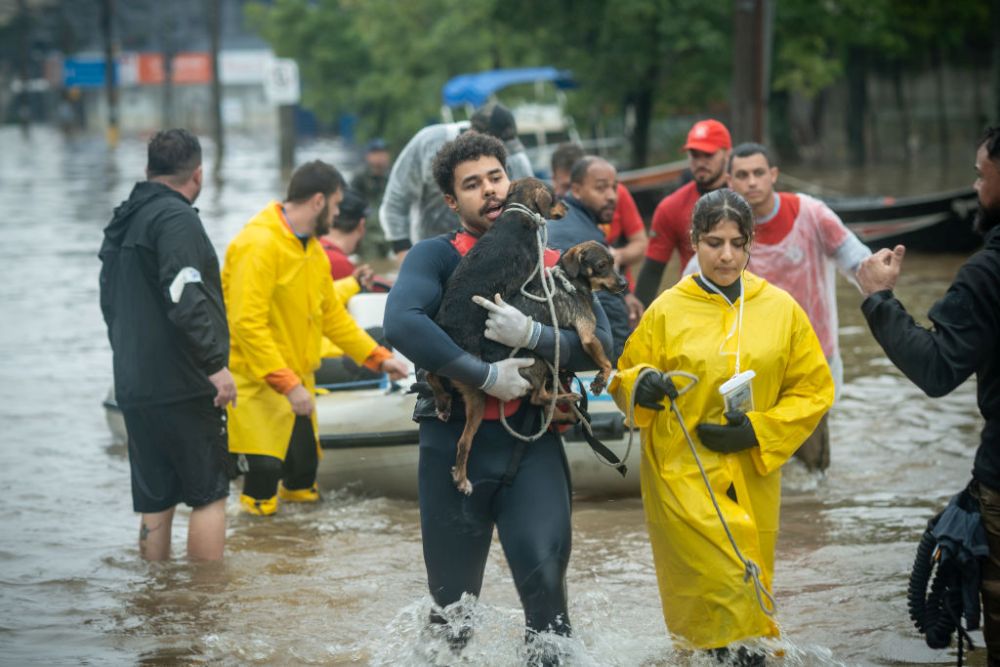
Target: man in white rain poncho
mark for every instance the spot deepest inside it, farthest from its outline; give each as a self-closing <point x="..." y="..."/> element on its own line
<point x="797" y="242"/>
<point x="412" y="206"/>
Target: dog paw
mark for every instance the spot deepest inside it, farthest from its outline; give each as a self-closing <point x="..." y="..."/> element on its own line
<point x="597" y="386"/>
<point x="462" y="482"/>
<point x="568" y="399"/>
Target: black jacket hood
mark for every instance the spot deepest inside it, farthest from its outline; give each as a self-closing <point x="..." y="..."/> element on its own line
<point x="142" y="193"/>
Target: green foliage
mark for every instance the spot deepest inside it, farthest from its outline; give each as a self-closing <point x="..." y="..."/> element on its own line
<point x="386" y="60"/>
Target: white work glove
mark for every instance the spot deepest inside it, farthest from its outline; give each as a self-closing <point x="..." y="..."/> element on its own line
<point x="509" y="326"/>
<point x="504" y="381"/>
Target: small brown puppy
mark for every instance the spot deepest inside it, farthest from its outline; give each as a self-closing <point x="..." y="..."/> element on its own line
<point x="582" y="269"/>
<point x="587" y="268"/>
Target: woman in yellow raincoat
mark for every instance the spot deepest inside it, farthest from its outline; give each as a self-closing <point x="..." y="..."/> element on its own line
<point x="701" y="327"/>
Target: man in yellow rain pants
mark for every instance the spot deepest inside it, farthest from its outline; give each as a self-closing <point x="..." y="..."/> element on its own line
<point x="714" y="325"/>
<point x="280" y="303"/>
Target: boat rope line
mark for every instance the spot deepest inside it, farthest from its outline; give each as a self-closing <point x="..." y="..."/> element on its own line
<point x="751" y="571"/>
<point x="548" y="288"/>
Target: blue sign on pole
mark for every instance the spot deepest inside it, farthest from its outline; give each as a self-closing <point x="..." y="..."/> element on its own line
<point x="84" y="72"/>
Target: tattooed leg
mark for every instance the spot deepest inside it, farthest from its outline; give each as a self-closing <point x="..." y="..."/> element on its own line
<point x="154" y="535"/>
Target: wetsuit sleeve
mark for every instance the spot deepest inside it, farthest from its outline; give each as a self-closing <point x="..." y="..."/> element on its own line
<point x="569" y="341"/>
<point x="402" y="190"/>
<point x="939" y="359"/>
<point x="181" y="253"/>
<point x="409" y="315"/>
<point x="649" y="280"/>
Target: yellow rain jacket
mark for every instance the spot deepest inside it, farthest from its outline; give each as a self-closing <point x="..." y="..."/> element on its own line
<point x="280" y="303"/>
<point x="345" y="289"/>
<point x="706" y="603"/>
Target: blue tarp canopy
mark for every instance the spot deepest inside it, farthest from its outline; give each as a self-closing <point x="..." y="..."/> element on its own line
<point x="476" y="88"/>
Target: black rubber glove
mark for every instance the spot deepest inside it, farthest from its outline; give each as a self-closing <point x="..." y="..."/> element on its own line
<point x="735" y="436"/>
<point x="651" y="389"/>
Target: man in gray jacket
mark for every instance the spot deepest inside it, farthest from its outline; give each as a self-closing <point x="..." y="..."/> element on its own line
<point x="413" y="208"/>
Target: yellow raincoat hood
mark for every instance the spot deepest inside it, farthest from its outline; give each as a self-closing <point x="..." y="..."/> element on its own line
<point x="280" y="303"/>
<point x="706" y="603"/>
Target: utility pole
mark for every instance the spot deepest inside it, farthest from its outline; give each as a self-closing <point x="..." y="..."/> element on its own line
<point x="110" y="75"/>
<point x="23" y="105"/>
<point x="215" y="37"/>
<point x="753" y="22"/>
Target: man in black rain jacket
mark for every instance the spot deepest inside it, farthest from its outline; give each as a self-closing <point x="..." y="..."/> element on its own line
<point x="965" y="339"/>
<point x="161" y="297"/>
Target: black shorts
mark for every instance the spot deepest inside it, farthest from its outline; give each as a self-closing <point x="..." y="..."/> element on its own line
<point x="177" y="453"/>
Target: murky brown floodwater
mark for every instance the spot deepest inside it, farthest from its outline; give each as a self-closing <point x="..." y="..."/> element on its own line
<point x="343" y="583"/>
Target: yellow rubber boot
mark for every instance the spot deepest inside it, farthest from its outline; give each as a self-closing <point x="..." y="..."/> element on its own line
<point x="310" y="495"/>
<point x="265" y="507"/>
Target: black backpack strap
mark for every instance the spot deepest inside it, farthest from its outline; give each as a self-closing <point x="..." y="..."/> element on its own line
<point x="599" y="447"/>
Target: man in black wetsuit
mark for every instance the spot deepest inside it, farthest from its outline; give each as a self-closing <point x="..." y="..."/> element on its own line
<point x="963" y="341"/>
<point x="522" y="490"/>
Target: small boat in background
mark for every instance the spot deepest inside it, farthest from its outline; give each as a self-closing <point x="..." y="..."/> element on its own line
<point x="939" y="222"/>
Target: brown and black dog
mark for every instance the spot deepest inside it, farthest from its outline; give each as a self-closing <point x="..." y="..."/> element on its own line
<point x="499" y="264"/>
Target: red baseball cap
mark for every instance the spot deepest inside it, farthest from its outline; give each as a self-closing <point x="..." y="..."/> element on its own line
<point x="708" y="136"/>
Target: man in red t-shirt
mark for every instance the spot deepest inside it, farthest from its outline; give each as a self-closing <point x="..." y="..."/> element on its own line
<point x="626" y="233"/>
<point x="708" y="147"/>
<point x="343" y="238"/>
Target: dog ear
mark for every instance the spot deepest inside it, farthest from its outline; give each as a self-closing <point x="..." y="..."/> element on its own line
<point x="557" y="211"/>
<point x="543" y="200"/>
<point x="571" y="261"/>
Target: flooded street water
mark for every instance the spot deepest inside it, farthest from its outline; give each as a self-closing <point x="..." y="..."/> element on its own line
<point x="342" y="583"/>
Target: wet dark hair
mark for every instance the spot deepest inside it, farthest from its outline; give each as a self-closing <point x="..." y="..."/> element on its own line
<point x="718" y="206"/>
<point x="991" y="139"/>
<point x="750" y="148"/>
<point x="174" y="153"/>
<point x="467" y="147"/>
<point x="313" y="177"/>
<point x="353" y="209"/>
<point x="565" y="156"/>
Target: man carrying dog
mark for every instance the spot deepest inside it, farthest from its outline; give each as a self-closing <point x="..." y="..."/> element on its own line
<point x="524" y="491"/>
<point x="281" y="302"/>
<point x="162" y="302"/>
<point x="591" y="203"/>
<point x="708" y="147"/>
<point x="797" y="243"/>
<point x="411" y="181"/>
<point x="962" y="341"/>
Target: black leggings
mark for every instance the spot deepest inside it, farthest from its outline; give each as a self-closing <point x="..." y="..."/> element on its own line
<point x="531" y="513"/>
<point x="297" y="471"/>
